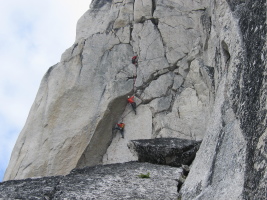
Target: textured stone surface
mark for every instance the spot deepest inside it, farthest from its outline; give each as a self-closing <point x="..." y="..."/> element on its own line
<point x="118" y="151"/>
<point x="68" y="95"/>
<point x="158" y="88"/>
<point x="250" y="104"/>
<point x="231" y="162"/>
<point x="142" y="10"/>
<point x="82" y="97"/>
<point x="165" y="151"/>
<point x="179" y="26"/>
<point x="218" y="170"/>
<point x="117" y="181"/>
<point x="201" y="74"/>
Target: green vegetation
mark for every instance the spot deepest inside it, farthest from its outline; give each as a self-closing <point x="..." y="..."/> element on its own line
<point x="144" y="175"/>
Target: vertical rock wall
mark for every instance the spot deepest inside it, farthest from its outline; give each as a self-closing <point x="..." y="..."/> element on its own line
<point x="201" y="74"/>
<point x="78" y="102"/>
<point x="231" y="163"/>
<point x="82" y="97"/>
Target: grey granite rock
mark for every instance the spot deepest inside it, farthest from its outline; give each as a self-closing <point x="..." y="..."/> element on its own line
<point x="249" y="96"/>
<point x="201" y="75"/>
<point x="231" y="162"/>
<point x="166" y="151"/>
<point x="82" y="97"/>
<point x="116" y="181"/>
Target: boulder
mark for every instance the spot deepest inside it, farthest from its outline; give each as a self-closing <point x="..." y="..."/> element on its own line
<point x="166" y="151"/>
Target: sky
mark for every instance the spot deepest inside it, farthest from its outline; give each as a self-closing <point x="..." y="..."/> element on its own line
<point x="33" y="35"/>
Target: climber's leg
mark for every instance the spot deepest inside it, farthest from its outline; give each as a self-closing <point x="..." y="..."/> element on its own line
<point x="134" y="107"/>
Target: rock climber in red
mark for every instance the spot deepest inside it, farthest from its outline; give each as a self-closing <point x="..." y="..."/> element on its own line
<point x="131" y="101"/>
<point x="120" y="127"/>
<point x="135" y="60"/>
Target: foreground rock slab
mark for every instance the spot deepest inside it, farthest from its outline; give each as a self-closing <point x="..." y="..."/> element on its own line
<point x="115" y="181"/>
<point x="166" y="151"/>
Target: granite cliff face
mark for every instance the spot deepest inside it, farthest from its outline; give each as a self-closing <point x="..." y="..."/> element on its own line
<point x="201" y="75"/>
<point x="82" y="97"/>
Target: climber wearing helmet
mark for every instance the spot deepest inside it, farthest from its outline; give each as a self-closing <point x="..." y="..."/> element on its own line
<point x="131" y="101"/>
<point x="120" y="127"/>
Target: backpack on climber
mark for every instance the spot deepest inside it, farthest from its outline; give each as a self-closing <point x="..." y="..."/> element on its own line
<point x="131" y="101"/>
<point x="120" y="127"/>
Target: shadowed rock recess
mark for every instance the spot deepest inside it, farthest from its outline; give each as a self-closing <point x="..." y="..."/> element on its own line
<point x="201" y="76"/>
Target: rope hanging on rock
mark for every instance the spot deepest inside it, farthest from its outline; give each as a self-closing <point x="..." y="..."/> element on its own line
<point x="135" y="62"/>
<point x="127" y="114"/>
<point x="134" y="79"/>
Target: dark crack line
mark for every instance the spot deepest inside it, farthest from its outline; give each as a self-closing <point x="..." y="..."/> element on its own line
<point x="81" y="57"/>
<point x="75" y="45"/>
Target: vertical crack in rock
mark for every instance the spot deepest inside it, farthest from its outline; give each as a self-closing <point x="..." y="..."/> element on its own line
<point x="206" y="23"/>
<point x="131" y="31"/>
<point x="81" y="60"/>
<point x="103" y="92"/>
<point x="154" y="6"/>
<point x="226" y="53"/>
<point x="81" y="57"/>
<point x="154" y="20"/>
<point x="75" y="45"/>
<point x="169" y="110"/>
<point x="220" y="139"/>
<point x="218" y="66"/>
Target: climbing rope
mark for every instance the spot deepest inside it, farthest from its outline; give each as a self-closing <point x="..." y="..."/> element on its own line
<point x="122" y="118"/>
<point x="134" y="87"/>
<point x="134" y="80"/>
<point x="135" y="76"/>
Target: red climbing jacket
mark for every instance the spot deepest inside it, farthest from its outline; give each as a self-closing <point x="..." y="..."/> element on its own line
<point x="131" y="99"/>
<point x="134" y="59"/>
<point x="121" y="125"/>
